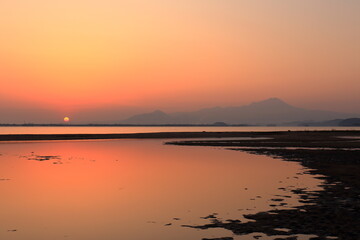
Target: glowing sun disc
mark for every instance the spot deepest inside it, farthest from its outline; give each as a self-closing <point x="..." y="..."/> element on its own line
<point x="66" y="119"/>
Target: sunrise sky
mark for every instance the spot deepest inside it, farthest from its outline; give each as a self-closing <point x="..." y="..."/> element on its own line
<point x="72" y="55"/>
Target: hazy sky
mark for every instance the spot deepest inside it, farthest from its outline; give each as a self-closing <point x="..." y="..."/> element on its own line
<point x="73" y="55"/>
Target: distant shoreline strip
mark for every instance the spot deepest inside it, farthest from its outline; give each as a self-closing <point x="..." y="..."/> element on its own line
<point x="168" y="135"/>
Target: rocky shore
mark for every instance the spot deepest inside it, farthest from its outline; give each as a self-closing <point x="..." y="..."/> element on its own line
<point x="333" y="213"/>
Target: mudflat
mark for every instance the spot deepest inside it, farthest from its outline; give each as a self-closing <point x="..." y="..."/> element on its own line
<point x="279" y="138"/>
<point x="334" y="156"/>
<point x="333" y="213"/>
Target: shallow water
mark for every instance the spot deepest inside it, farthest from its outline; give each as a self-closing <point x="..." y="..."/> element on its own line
<point x="350" y="137"/>
<point x="99" y="130"/>
<point x="131" y="189"/>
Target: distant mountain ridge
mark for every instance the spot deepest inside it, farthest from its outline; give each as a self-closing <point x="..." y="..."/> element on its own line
<point x="270" y="111"/>
<point x="155" y="117"/>
<point x="350" y="122"/>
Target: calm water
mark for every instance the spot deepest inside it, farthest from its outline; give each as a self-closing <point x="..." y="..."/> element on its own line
<point x="64" y="130"/>
<point x="130" y="189"/>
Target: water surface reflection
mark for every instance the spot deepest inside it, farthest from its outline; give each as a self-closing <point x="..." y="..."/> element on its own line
<point x="135" y="189"/>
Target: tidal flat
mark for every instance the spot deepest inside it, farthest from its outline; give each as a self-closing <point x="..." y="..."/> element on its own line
<point x="268" y="185"/>
<point x="332" y="213"/>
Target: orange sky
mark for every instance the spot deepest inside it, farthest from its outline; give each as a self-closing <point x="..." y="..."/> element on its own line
<point x="179" y="55"/>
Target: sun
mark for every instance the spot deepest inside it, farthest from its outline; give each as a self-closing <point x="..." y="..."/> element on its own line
<point x="66" y="119"/>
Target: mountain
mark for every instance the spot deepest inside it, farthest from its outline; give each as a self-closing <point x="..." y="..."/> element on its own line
<point x="270" y="111"/>
<point x="334" y="122"/>
<point x="156" y="117"/>
<point x="350" y="122"/>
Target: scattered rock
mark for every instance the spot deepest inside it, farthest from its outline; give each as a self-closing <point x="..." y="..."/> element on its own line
<point x="223" y="238"/>
<point x="42" y="158"/>
<point x="277" y="199"/>
<point x="210" y="216"/>
<point x="287" y="238"/>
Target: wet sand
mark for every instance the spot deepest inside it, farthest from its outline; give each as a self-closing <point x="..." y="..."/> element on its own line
<point x="333" y="213"/>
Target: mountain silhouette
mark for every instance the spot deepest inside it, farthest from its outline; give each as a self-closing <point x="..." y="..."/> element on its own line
<point x="270" y="111"/>
<point x="350" y="122"/>
<point x="155" y="117"/>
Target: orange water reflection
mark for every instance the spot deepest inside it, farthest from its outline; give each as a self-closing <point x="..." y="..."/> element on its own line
<point x="134" y="129"/>
<point x="129" y="189"/>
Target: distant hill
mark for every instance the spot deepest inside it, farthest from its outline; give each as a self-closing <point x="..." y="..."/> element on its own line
<point x="334" y="122"/>
<point x="156" y="117"/>
<point x="350" y="122"/>
<point x="270" y="111"/>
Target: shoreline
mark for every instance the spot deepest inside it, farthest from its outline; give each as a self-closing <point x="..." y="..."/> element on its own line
<point x="332" y="135"/>
<point x="332" y="213"/>
<point x="335" y="155"/>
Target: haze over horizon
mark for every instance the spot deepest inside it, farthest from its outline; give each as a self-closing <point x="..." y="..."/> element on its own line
<point x="266" y="111"/>
<point x="112" y="59"/>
